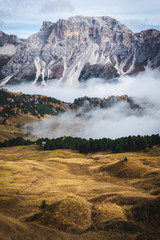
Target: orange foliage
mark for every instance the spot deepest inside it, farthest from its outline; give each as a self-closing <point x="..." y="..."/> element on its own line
<point x="1" y="109"/>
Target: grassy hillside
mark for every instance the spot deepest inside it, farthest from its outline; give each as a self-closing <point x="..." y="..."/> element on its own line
<point x="9" y="132"/>
<point x="17" y="109"/>
<point x="95" y="196"/>
<point x="13" y="104"/>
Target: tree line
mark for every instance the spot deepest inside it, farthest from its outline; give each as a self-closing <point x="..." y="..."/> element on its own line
<point x="119" y="145"/>
<point x="124" y="144"/>
<point x="18" y="141"/>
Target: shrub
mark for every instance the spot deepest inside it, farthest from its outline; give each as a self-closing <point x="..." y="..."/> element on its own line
<point x="43" y="205"/>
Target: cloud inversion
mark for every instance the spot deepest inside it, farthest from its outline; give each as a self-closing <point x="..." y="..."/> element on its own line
<point x="99" y="123"/>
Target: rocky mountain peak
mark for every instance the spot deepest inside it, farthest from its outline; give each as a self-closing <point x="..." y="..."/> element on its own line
<point x="89" y="26"/>
<point x="7" y="39"/>
<point x="47" y="25"/>
<point x="150" y="33"/>
<point x="78" y="48"/>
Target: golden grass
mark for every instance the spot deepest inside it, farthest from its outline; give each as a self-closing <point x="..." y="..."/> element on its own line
<point x="71" y="214"/>
<point x="148" y="213"/>
<point x="9" y="132"/>
<point x="106" y="212"/>
<point x="128" y="169"/>
<point x="100" y="185"/>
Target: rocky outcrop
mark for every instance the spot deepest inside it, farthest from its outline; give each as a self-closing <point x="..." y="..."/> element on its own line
<point x="98" y="71"/>
<point x="6" y="39"/>
<point x="77" y="49"/>
<point x="8" y="46"/>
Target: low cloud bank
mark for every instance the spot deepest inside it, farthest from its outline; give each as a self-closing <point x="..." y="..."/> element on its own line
<point x="99" y="123"/>
<point x="114" y="122"/>
<point x="144" y="85"/>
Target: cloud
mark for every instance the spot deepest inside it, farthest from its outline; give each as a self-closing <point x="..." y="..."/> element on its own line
<point x="25" y="14"/>
<point x="3" y="15"/>
<point x="144" y="85"/>
<point x="22" y="33"/>
<point x="9" y="6"/>
<point x="114" y="122"/>
<point x="2" y="24"/>
<point x="138" y="26"/>
<point x="53" y="10"/>
<point x="111" y="123"/>
<point x="52" y="6"/>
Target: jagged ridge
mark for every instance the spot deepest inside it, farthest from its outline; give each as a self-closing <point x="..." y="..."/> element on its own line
<point x="62" y="50"/>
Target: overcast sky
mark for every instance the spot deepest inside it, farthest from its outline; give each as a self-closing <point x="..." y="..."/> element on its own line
<point x="25" y="17"/>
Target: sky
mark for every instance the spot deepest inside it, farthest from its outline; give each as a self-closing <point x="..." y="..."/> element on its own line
<point x="25" y="17"/>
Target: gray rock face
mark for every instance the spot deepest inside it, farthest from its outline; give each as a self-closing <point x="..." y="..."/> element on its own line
<point x="8" y="46"/>
<point x="64" y="49"/>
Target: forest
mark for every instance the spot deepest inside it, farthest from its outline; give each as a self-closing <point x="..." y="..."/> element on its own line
<point x="119" y="145"/>
<point x="13" y="104"/>
<point x="124" y="144"/>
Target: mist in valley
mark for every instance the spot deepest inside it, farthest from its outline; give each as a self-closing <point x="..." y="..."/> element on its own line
<point x="98" y="123"/>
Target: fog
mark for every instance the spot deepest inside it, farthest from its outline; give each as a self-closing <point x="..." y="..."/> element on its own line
<point x="114" y="122"/>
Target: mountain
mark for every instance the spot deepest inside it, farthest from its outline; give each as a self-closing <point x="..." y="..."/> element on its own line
<point x="77" y="49"/>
